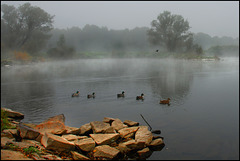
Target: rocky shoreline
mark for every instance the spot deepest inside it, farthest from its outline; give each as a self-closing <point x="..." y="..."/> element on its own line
<point x="109" y="139"/>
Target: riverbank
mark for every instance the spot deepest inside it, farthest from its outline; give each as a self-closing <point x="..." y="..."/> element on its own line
<point x="53" y="140"/>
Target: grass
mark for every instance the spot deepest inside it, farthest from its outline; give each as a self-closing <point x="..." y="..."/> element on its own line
<point x="5" y="124"/>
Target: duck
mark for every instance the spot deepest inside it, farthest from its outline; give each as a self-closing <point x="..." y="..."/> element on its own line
<point x="91" y="95"/>
<point x="140" y="97"/>
<point x="75" y="94"/>
<point x="165" y="101"/>
<point x="121" y="95"/>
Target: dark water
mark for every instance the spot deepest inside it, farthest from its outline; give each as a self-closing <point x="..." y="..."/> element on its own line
<point x="202" y="121"/>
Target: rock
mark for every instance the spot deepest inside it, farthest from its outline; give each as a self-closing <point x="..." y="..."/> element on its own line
<point x="105" y="151"/>
<point x="78" y="156"/>
<point x="99" y="126"/>
<point x="156" y="142"/>
<point x="108" y="120"/>
<point x="72" y="130"/>
<point x="132" y="144"/>
<point x="85" y="129"/>
<point x="117" y="124"/>
<point x="123" y="148"/>
<point x="5" y="140"/>
<point x="101" y="139"/>
<point x="51" y="157"/>
<point x="9" y="133"/>
<point x="56" y="143"/>
<point x="13" y="155"/>
<point x="131" y="123"/>
<point x="13" y="114"/>
<point x="143" y="135"/>
<point x="71" y="137"/>
<point x="87" y="144"/>
<point x="110" y="130"/>
<point x="27" y="132"/>
<point x="60" y="118"/>
<point x="144" y="153"/>
<point x="54" y="127"/>
<point x="126" y="131"/>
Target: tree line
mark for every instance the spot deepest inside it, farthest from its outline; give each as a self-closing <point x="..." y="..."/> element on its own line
<point x="29" y="29"/>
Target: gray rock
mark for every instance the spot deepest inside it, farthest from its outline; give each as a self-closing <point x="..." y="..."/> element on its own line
<point x="99" y="126"/>
<point x="105" y="151"/>
<point x="101" y="139"/>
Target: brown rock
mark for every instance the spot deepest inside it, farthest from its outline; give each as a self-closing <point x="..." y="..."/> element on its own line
<point x="72" y="130"/>
<point x="132" y="144"/>
<point x="13" y="155"/>
<point x="143" y="135"/>
<point x="85" y="144"/>
<point x="131" y="123"/>
<point x="27" y="132"/>
<point x="108" y="120"/>
<point x="9" y="133"/>
<point x="110" y="130"/>
<point x="78" y="156"/>
<point x="99" y="126"/>
<point x="13" y="114"/>
<point x="71" y="137"/>
<point x="54" y="127"/>
<point x="105" y="151"/>
<point x="60" y="118"/>
<point x="84" y="129"/>
<point x="57" y="143"/>
<point x="156" y="142"/>
<point x="5" y="140"/>
<point x="104" y="138"/>
<point x="117" y="124"/>
<point x="126" y="131"/>
<point x="144" y="153"/>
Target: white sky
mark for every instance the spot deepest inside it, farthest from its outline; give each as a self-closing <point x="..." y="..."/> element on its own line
<point x="216" y="18"/>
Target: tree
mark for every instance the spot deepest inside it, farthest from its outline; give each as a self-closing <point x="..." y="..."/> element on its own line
<point x="169" y="31"/>
<point x="62" y="51"/>
<point x="25" y="28"/>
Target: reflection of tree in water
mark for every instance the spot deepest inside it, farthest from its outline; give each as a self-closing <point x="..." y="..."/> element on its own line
<point x="26" y="92"/>
<point x="172" y="81"/>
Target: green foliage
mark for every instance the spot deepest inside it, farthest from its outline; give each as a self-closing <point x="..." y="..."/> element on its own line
<point x="5" y="124"/>
<point x="30" y="150"/>
<point x="169" y="31"/>
<point x="24" y="28"/>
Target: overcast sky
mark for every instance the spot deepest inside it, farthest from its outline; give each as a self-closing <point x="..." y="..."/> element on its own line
<point x="216" y="18"/>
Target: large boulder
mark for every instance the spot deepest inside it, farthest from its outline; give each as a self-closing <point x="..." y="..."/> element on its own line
<point x="99" y="126"/>
<point x="56" y="143"/>
<point x="54" y="125"/>
<point x="143" y="135"/>
<point x="105" y="151"/>
<point x="87" y="144"/>
<point x="101" y="139"/>
<point x="13" y="114"/>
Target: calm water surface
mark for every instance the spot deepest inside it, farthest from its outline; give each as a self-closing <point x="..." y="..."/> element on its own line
<point x="202" y="121"/>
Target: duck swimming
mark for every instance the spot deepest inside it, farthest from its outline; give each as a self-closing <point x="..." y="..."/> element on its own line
<point x="140" y="97"/>
<point x="165" y="101"/>
<point x="75" y="94"/>
<point x="121" y="95"/>
<point x="91" y="95"/>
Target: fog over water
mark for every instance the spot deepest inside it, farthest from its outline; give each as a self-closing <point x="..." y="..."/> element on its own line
<point x="202" y="121"/>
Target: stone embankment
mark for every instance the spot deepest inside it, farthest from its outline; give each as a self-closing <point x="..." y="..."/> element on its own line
<point x="107" y="139"/>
